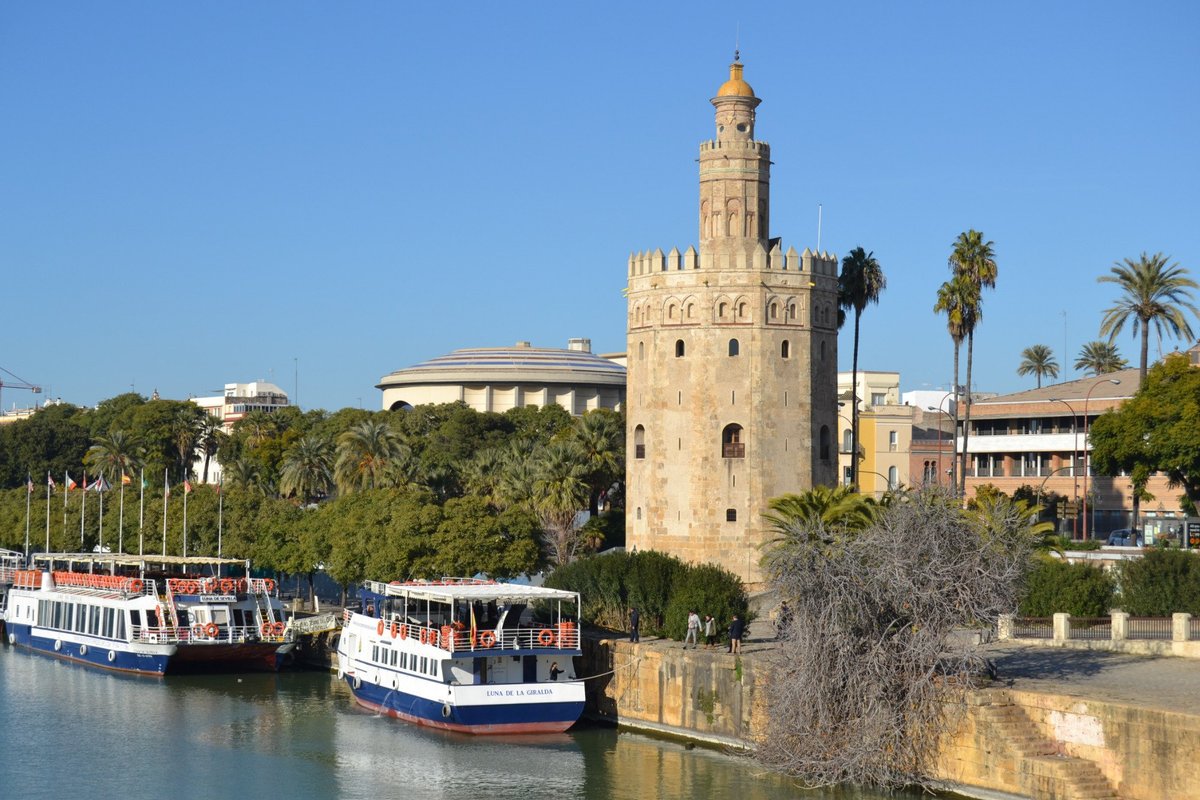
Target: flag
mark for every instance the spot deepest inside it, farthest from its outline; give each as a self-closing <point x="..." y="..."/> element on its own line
<point x="71" y="485"/>
<point x="99" y="485"/>
<point x="218" y="487"/>
<point x="187" y="487"/>
<point x="50" y="481"/>
<point x="166" y="487"/>
<point x="29" y="483"/>
<point x="125" y="479"/>
<point x="472" y="624"/>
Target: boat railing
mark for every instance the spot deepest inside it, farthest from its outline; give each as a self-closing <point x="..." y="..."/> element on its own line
<point x="563" y="636"/>
<point x="212" y="585"/>
<point x="211" y="633"/>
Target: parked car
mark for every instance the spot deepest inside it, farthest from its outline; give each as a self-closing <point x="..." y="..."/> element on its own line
<point x="1125" y="537"/>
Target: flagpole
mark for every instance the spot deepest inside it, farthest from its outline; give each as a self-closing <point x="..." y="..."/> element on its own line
<point x="66" y="493"/>
<point x="82" y="509"/>
<point x="28" y="504"/>
<point x="166" y="497"/>
<point x="220" y="515"/>
<point x="100" y="491"/>
<point x="141" y="509"/>
<point x="48" y="493"/>
<point x="185" y="494"/>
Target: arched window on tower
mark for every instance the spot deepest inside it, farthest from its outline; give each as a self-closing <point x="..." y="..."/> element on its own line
<point x="734" y="347"/>
<point x="639" y="442"/>
<point x="691" y="310"/>
<point x="641" y="351"/>
<point x="679" y="348"/>
<point x="823" y="438"/>
<point x="791" y="310"/>
<point x="732" y="445"/>
<point x="721" y="310"/>
<point x="741" y="311"/>
<point x="773" y="311"/>
<point x="785" y="349"/>
<point x="847" y="440"/>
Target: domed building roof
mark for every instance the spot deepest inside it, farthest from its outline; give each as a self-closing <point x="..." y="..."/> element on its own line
<point x="495" y="378"/>
<point x="735" y="86"/>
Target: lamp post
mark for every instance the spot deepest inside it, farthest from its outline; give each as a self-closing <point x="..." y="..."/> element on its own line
<point x="1087" y="398"/>
<point x="1074" y="452"/>
<point x="954" y="419"/>
<point x="886" y="479"/>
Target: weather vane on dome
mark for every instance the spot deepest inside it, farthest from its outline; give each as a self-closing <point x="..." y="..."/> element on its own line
<point x="737" y="35"/>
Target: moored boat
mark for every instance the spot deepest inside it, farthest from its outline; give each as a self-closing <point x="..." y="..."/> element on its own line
<point x="148" y="614"/>
<point x="10" y="562"/>
<point x="465" y="655"/>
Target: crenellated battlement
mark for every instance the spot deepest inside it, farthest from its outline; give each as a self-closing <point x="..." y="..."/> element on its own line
<point x="759" y="260"/>
<point x="753" y="146"/>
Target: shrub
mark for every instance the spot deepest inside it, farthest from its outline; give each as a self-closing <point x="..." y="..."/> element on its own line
<point x="1056" y="586"/>
<point x="1161" y="583"/>
<point x="705" y="589"/>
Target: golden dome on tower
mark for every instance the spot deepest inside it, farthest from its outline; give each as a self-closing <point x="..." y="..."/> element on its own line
<point x="736" y="86"/>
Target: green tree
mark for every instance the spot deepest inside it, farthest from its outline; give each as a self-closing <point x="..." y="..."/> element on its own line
<point x="1157" y="430"/>
<point x="859" y="285"/>
<point x="368" y="456"/>
<point x="1055" y="586"/>
<point x="560" y="491"/>
<point x="1099" y="358"/>
<point x="1161" y="583"/>
<point x="974" y="260"/>
<point x="53" y="440"/>
<point x="599" y="437"/>
<point x="1154" y="293"/>
<point x="820" y="514"/>
<point x="1038" y="360"/>
<point x="208" y="438"/>
<point x="308" y="469"/>
<point x="115" y="454"/>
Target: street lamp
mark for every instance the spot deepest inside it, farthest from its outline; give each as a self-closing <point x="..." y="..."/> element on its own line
<point x="953" y="419"/>
<point x="1074" y="451"/>
<point x="1086" y="398"/>
<point x="886" y="479"/>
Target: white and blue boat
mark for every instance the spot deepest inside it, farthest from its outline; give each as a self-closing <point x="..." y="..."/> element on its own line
<point x="147" y="614"/>
<point x="465" y="655"/>
<point x="10" y="562"/>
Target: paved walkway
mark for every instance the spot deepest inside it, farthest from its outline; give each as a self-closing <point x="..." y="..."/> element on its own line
<point x="1166" y="683"/>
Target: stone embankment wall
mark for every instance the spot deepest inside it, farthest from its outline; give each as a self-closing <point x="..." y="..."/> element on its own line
<point x="1025" y="744"/>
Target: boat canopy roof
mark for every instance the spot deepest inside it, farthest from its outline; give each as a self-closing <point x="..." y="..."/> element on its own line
<point x="447" y="591"/>
<point x="125" y="559"/>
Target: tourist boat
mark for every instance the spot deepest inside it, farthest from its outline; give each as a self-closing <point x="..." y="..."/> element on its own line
<point x="148" y="614"/>
<point x="465" y="655"/>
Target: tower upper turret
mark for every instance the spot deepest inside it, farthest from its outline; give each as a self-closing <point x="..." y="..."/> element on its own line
<point x="735" y="173"/>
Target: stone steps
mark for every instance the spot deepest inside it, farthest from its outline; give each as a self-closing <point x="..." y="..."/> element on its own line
<point x="1049" y="773"/>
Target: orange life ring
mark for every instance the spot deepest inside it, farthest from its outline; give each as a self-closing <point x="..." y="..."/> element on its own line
<point x="379" y="628"/>
<point x="211" y="630"/>
<point x="193" y="587"/>
<point x="135" y="586"/>
<point x="266" y="629"/>
<point x="546" y="637"/>
<point x="226" y="586"/>
<point x="433" y="638"/>
<point x="270" y="584"/>
<point x="424" y="636"/>
<point x="277" y="629"/>
<point x="487" y="639"/>
<point x="395" y="629"/>
<point x="403" y="631"/>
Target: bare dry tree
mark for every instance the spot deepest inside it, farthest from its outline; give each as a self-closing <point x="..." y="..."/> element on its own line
<point x="870" y="671"/>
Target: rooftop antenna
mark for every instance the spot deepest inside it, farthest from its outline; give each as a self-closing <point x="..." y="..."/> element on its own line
<point x="737" y="36"/>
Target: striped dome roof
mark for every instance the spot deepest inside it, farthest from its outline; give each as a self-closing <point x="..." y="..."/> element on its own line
<point x="520" y="363"/>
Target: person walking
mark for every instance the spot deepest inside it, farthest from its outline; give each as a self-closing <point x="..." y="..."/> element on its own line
<point x="735" y="634"/>
<point x="634" y="619"/>
<point x="693" y="630"/>
<point x="710" y="632"/>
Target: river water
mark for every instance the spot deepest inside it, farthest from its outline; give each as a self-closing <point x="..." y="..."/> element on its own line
<point x="71" y="731"/>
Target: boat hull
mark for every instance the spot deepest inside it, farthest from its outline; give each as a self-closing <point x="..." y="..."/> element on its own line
<point x="481" y="718"/>
<point x="105" y="654"/>
<point x="237" y="657"/>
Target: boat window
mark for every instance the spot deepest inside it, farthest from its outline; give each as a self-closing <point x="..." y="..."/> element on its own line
<point x="395" y="657"/>
<point x="94" y="622"/>
<point x="424" y="663"/>
<point x="220" y="615"/>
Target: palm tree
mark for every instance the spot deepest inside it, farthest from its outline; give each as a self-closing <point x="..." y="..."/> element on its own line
<point x="1099" y="358"/>
<point x="819" y="511"/>
<point x="184" y="435"/>
<point x="115" y="454"/>
<point x="208" y="439"/>
<point x="859" y="285"/>
<point x="367" y="455"/>
<point x="1155" y="293"/>
<point x="1038" y="360"/>
<point x="600" y="437"/>
<point x="560" y="491"/>
<point x="956" y="299"/>
<point x="246" y="474"/>
<point x="975" y="260"/>
<point x="259" y="426"/>
<point x="483" y="476"/>
<point x="308" y="468"/>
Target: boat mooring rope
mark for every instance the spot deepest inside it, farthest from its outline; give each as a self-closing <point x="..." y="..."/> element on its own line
<point x="613" y="671"/>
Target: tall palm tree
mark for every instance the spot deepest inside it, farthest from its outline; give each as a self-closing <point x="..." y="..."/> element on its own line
<point x="185" y="433"/>
<point x="366" y="454"/>
<point x="1038" y="360"/>
<point x="973" y="259"/>
<point x="956" y="299"/>
<point x="246" y="474"/>
<point x="1154" y="293"/>
<point x="483" y="476"/>
<point x="560" y="491"/>
<point x="208" y="438"/>
<point x="259" y="426"/>
<point x="308" y="468"/>
<point x="114" y="454"/>
<point x="859" y="285"/>
<point x="1099" y="358"/>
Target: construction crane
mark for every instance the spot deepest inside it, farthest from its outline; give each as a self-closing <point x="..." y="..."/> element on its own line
<point x="17" y="383"/>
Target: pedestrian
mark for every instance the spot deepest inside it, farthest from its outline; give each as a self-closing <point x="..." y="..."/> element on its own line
<point x="554" y="671"/>
<point x="710" y="632"/>
<point x="735" y="634"/>
<point x="693" y="629"/>
<point x="634" y="619"/>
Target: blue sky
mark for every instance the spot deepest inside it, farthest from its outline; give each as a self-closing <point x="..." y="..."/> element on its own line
<point x="193" y="194"/>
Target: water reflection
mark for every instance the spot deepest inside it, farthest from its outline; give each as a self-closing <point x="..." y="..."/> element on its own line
<point x="67" y="730"/>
